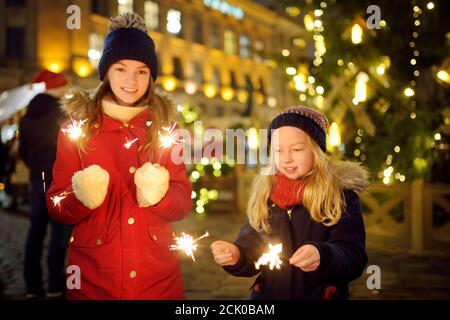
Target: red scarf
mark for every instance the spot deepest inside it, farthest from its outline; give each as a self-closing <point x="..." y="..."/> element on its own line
<point x="287" y="192"/>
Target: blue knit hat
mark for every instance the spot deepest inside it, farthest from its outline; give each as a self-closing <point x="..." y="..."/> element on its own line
<point x="128" y="42"/>
<point x="315" y="124"/>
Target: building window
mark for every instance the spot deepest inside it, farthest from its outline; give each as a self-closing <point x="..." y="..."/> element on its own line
<point x="151" y="14"/>
<point x="198" y="73"/>
<point x="259" y="45"/>
<point x="178" y="68"/>
<point x="174" y="22"/>
<point x="229" y="42"/>
<point x="244" y="44"/>
<point x="197" y="29"/>
<point x="95" y="48"/>
<point x="216" y="78"/>
<point x="100" y="7"/>
<point x="15" y="43"/>
<point x="259" y="48"/>
<point x="215" y="36"/>
<point x="124" y="6"/>
<point x="233" y="82"/>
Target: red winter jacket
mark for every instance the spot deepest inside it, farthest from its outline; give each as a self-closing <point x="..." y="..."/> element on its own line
<point x="122" y="250"/>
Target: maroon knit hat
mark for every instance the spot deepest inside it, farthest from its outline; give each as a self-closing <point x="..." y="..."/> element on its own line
<point x="315" y="124"/>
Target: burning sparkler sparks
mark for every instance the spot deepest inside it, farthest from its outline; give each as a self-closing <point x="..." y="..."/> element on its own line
<point x="68" y="95"/>
<point x="43" y="179"/>
<point x="74" y="130"/>
<point x="129" y="143"/>
<point x="187" y="244"/>
<point x="271" y="258"/>
<point x="58" y="198"/>
<point x="169" y="139"/>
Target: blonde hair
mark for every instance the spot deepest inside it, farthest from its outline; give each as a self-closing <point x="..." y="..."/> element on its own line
<point x="323" y="194"/>
<point x="161" y="108"/>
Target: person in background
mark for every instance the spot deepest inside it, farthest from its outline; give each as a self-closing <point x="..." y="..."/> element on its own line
<point x="38" y="133"/>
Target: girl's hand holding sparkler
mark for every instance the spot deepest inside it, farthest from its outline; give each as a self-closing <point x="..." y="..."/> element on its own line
<point x="90" y="186"/>
<point x="307" y="258"/>
<point x="225" y="253"/>
<point x="152" y="183"/>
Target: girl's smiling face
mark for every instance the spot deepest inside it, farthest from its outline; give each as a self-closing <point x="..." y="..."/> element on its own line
<point x="129" y="80"/>
<point x="292" y="152"/>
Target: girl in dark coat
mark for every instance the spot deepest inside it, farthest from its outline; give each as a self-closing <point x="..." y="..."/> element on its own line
<point x="310" y="207"/>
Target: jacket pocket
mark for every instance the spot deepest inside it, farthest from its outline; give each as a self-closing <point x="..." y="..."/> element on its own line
<point x="89" y="234"/>
<point x="161" y="236"/>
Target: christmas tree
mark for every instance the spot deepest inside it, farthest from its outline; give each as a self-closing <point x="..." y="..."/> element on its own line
<point x="380" y="72"/>
<point x="203" y="175"/>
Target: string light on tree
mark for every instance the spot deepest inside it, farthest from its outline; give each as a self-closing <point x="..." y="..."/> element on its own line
<point x="361" y="88"/>
<point x="357" y="34"/>
<point x="443" y="76"/>
<point x="313" y="22"/>
<point x="393" y="93"/>
<point x="319" y="40"/>
<point x="334" y="136"/>
<point x="410" y="91"/>
<point x="293" y="11"/>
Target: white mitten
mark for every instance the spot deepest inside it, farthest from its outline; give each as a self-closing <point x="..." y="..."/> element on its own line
<point x="90" y="185"/>
<point x="152" y="183"/>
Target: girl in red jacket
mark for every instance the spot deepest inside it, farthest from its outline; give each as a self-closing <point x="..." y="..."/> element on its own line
<point x="309" y="206"/>
<point x="119" y="189"/>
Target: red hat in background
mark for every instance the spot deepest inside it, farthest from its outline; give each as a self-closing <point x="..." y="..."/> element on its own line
<point x="52" y="80"/>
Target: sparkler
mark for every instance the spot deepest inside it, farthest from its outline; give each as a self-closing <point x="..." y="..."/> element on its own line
<point x="271" y="258"/>
<point x="169" y="139"/>
<point x="129" y="143"/>
<point x="68" y="95"/>
<point x="43" y="179"/>
<point x="187" y="244"/>
<point x="74" y="130"/>
<point x="58" y="198"/>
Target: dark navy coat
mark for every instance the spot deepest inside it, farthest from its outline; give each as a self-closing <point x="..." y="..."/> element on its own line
<point x="341" y="247"/>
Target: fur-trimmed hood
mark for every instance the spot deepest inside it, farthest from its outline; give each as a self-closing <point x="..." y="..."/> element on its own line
<point x="351" y="175"/>
<point x="76" y="106"/>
